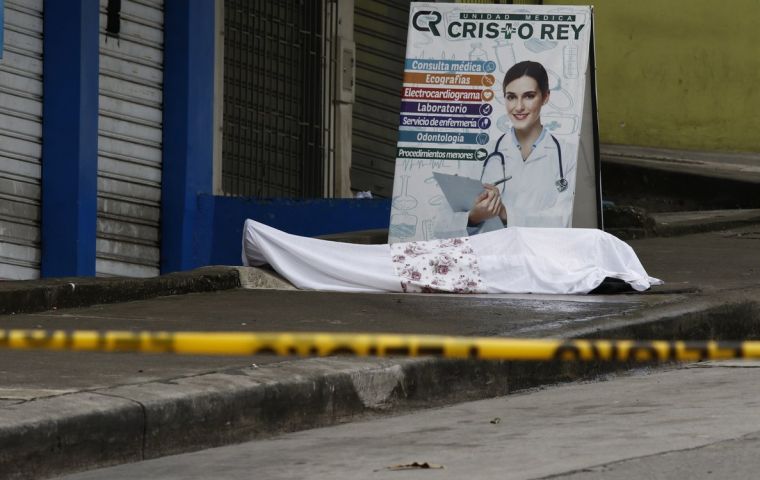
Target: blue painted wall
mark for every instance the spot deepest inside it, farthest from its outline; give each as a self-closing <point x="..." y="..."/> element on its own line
<point x="188" y="132"/>
<point x="301" y="217"/>
<point x="70" y="138"/>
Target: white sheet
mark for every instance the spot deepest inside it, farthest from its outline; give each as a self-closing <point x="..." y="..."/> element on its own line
<point x="510" y="260"/>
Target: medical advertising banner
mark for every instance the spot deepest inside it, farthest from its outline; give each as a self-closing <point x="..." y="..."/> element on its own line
<point x="497" y="125"/>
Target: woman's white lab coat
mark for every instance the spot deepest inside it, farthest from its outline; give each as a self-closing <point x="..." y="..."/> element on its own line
<point x="531" y="196"/>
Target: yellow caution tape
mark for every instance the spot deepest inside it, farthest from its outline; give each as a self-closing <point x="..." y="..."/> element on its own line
<point x="363" y="344"/>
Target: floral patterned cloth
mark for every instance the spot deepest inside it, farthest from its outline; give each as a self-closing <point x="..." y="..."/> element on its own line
<point x="448" y="265"/>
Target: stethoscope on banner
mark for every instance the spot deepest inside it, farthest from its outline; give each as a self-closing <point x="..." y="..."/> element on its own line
<point x="561" y="184"/>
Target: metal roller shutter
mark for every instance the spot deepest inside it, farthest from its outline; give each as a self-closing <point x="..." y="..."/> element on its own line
<point x="21" y="140"/>
<point x="380" y="36"/>
<point x="129" y="141"/>
<point x="278" y="67"/>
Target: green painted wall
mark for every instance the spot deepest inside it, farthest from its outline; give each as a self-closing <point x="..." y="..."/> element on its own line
<point x="681" y="74"/>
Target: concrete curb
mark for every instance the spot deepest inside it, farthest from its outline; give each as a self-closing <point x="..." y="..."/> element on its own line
<point x="57" y="435"/>
<point x="682" y="223"/>
<point x="727" y="165"/>
<point x="671" y="224"/>
<point x="41" y="295"/>
<point x="68" y="433"/>
<point x="255" y="277"/>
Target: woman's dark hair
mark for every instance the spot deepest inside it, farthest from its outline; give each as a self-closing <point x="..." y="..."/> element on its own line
<point x="534" y="70"/>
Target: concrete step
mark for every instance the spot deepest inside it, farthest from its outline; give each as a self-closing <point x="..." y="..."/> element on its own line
<point x="630" y="222"/>
<point x="744" y="167"/>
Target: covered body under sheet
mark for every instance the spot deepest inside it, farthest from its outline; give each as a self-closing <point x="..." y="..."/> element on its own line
<point x="511" y="260"/>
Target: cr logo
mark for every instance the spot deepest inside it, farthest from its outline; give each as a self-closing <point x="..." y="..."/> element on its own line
<point x="428" y="23"/>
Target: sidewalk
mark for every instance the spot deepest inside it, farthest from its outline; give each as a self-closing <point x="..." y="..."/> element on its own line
<point x="63" y="412"/>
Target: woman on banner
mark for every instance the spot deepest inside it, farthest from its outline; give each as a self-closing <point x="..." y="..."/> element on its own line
<point x="527" y="180"/>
